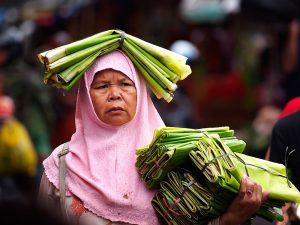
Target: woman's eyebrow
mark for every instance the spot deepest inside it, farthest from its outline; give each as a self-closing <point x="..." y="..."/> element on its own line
<point x="125" y="79"/>
<point x="97" y="82"/>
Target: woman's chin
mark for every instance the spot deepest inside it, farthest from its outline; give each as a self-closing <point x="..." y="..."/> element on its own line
<point x="117" y="121"/>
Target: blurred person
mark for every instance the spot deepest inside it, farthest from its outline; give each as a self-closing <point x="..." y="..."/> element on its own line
<point x="180" y="112"/>
<point x="33" y="106"/>
<point x="92" y="179"/>
<point x="291" y="61"/>
<point x="285" y="149"/>
<point x="257" y="135"/>
<point x="291" y="106"/>
<point x="18" y="159"/>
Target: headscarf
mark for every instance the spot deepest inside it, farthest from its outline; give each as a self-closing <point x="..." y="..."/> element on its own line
<point x="101" y="162"/>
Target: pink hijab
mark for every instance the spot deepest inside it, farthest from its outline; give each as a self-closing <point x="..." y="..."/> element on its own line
<point x="101" y="162"/>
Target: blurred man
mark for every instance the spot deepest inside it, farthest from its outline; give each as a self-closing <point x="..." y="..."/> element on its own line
<point x="285" y="149"/>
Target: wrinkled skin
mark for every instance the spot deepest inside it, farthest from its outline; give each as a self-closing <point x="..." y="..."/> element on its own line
<point x="114" y="97"/>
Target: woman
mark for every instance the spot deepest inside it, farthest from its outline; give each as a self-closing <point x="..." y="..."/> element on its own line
<point x="114" y="117"/>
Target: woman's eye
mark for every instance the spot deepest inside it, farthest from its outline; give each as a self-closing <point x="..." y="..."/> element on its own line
<point x="126" y="84"/>
<point x="102" y="86"/>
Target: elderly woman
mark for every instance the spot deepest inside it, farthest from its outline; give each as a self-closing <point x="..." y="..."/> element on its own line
<point x="114" y="117"/>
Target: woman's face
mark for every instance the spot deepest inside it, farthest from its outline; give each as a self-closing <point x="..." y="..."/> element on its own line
<point x="114" y="97"/>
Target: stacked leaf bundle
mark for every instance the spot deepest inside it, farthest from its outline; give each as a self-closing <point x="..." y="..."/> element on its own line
<point x="192" y="167"/>
<point x="171" y="146"/>
<point x="160" y="67"/>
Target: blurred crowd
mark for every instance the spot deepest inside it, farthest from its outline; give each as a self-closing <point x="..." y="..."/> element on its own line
<point x="244" y="71"/>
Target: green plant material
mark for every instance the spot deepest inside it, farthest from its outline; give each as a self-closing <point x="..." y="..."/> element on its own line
<point x="174" y="157"/>
<point x="212" y="154"/>
<point x="196" y="201"/>
<point x="51" y="56"/>
<point x="270" y="175"/>
<point x="162" y="78"/>
<point x="270" y="213"/>
<point x="156" y="88"/>
<point x="184" y="134"/>
<point x="160" y="68"/>
<point x="72" y="72"/>
<point x="171" y="60"/>
<point x="220" y="165"/>
<point x="235" y="145"/>
<point x="170" y="148"/>
<point x="160" y="204"/>
<point x="76" y="57"/>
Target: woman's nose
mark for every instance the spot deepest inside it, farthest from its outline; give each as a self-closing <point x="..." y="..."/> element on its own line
<point x="114" y="93"/>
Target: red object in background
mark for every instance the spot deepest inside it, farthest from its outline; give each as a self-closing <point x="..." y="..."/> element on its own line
<point x="222" y="100"/>
<point x="228" y="87"/>
<point x="44" y="18"/>
<point x="291" y="107"/>
<point x="64" y="129"/>
<point x="6" y="106"/>
<point x="3" y="56"/>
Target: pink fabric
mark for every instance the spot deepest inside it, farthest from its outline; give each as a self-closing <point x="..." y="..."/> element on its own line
<point x="101" y="162"/>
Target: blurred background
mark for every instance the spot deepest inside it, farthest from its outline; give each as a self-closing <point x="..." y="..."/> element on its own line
<point x="244" y="56"/>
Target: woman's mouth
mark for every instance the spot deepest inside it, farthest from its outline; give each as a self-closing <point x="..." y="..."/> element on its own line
<point x="115" y="110"/>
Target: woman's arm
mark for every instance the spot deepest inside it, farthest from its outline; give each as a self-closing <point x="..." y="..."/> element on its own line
<point x="48" y="196"/>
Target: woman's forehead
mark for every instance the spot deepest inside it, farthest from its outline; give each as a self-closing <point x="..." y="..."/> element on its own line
<point x="110" y="74"/>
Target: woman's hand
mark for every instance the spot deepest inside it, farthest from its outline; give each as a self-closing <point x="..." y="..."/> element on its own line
<point x="245" y="204"/>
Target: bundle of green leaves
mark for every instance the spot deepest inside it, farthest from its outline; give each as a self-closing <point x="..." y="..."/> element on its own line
<point x="215" y="163"/>
<point x="161" y="68"/>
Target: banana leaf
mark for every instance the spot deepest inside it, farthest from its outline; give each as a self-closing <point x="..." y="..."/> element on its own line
<point x="175" y="157"/>
<point x="183" y="195"/>
<point x="51" y="56"/>
<point x="234" y="144"/>
<point x="215" y="168"/>
<point x="270" y="175"/>
<point x="170" y="147"/>
<point x="170" y="59"/>
<point x="198" y="201"/>
<point x="183" y="135"/>
<point x="161" y="68"/>
<point x="212" y="159"/>
<point x="183" y="198"/>
<point x="171" y="217"/>
<point x="182" y="187"/>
